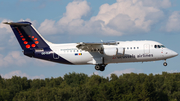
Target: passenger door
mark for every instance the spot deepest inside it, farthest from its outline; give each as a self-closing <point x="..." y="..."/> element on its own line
<point x="55" y="54"/>
<point x="146" y="48"/>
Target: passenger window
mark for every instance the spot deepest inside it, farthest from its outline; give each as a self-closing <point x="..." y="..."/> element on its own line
<point x="134" y="47"/>
<point x="137" y="47"/>
<point x="131" y="48"/>
<point x="127" y="47"/>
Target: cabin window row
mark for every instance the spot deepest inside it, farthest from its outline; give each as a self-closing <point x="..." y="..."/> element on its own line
<point x="132" y="47"/>
<point x="72" y="50"/>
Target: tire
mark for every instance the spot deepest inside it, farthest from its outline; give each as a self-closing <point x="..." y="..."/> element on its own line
<point x="165" y="64"/>
<point x="97" y="67"/>
<point x="102" y="68"/>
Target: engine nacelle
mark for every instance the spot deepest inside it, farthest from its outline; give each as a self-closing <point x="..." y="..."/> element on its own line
<point x="110" y="51"/>
<point x="114" y="51"/>
<point x="121" y="51"/>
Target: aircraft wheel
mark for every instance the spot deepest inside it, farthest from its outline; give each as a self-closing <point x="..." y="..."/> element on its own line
<point x="165" y="63"/>
<point x="102" y="68"/>
<point x="97" y="67"/>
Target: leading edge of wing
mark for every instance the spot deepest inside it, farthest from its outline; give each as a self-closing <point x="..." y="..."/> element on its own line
<point x="98" y="43"/>
<point x="87" y="46"/>
<point x="90" y="43"/>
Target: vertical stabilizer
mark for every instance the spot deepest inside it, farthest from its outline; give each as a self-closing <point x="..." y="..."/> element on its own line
<point x="27" y="36"/>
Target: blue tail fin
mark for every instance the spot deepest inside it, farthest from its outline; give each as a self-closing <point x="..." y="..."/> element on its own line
<point x="27" y="35"/>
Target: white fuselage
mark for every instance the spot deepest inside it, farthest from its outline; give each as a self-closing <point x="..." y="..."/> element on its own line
<point x="135" y="51"/>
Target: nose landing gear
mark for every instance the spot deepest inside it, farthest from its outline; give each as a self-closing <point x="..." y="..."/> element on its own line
<point x="165" y="63"/>
<point x="100" y="67"/>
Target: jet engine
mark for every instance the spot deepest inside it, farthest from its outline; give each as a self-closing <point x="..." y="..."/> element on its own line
<point x="121" y="51"/>
<point x="110" y="51"/>
<point x="114" y="51"/>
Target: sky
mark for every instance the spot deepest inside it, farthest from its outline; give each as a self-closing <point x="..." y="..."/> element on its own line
<point x="73" y="21"/>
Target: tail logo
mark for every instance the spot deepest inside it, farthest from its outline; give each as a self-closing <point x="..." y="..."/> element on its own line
<point x="26" y="42"/>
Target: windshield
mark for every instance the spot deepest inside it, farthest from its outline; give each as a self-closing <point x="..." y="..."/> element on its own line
<point x="159" y="46"/>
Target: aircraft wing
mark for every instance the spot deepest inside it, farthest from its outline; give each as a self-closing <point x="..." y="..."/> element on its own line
<point x="87" y="46"/>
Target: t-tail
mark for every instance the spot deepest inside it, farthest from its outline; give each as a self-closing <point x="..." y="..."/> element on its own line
<point x="33" y="44"/>
<point x="28" y="37"/>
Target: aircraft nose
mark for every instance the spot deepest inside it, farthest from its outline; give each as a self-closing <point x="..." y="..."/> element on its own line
<point x="173" y="53"/>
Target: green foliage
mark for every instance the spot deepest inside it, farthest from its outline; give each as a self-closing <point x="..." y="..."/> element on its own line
<point x="81" y="87"/>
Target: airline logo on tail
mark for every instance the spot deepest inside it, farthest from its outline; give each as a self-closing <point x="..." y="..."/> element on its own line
<point x="27" y="35"/>
<point x="25" y="41"/>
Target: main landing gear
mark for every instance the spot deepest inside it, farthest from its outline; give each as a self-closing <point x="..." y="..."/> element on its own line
<point x="100" y="67"/>
<point x="165" y="63"/>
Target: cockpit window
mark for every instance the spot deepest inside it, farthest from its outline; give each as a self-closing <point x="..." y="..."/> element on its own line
<point x="163" y="46"/>
<point x="159" y="46"/>
<point x="155" y="46"/>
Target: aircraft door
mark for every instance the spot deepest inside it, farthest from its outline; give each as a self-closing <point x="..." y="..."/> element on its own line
<point x="162" y="52"/>
<point x="146" y="48"/>
<point x="55" y="55"/>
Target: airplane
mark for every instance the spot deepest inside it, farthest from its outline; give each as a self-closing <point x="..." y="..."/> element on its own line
<point x="99" y="54"/>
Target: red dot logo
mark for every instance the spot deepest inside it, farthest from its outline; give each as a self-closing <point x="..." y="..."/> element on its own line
<point x="27" y="46"/>
<point x="32" y="36"/>
<point x="29" y="36"/>
<point x="33" y="45"/>
<point x="36" y="42"/>
<point x="35" y="38"/>
<point x="25" y="42"/>
<point x="23" y="39"/>
<point x="21" y="36"/>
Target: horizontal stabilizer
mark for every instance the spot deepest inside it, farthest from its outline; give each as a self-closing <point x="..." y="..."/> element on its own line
<point x="18" y="23"/>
